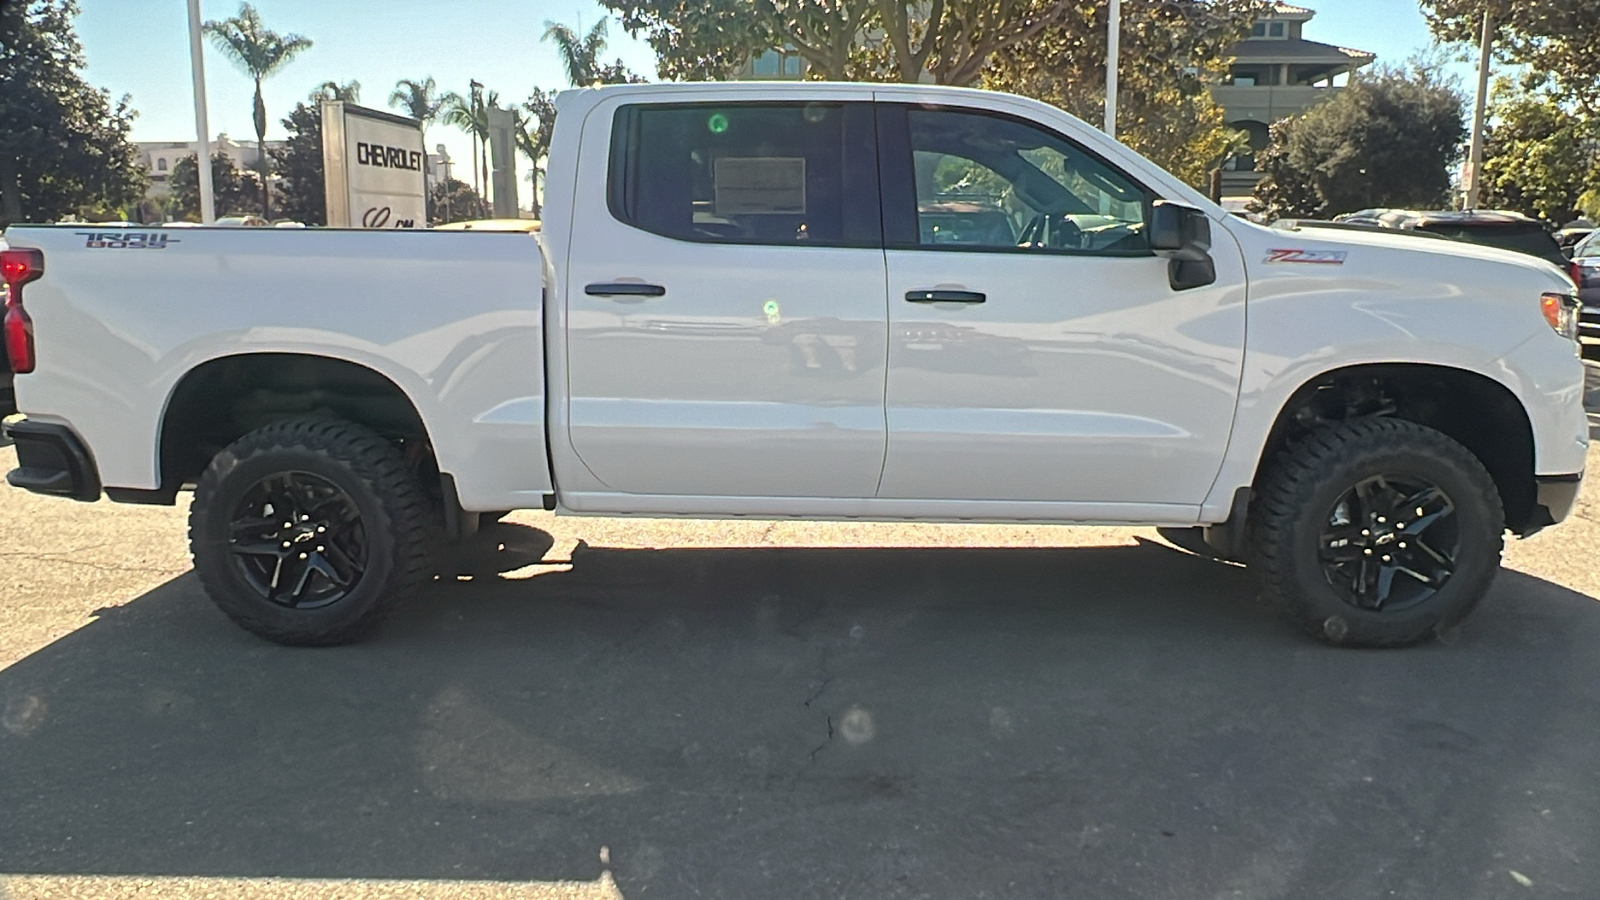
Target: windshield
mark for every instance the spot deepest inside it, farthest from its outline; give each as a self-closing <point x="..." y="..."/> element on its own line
<point x="1590" y="246"/>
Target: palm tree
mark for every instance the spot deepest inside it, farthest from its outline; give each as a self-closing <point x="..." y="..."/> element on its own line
<point x="261" y="54"/>
<point x="420" y="99"/>
<point x="473" y="118"/>
<point x="349" y="92"/>
<point x="579" y="56"/>
<point x="535" y="123"/>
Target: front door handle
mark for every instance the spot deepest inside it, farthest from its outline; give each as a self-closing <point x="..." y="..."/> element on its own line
<point x="624" y="289"/>
<point x="944" y="297"/>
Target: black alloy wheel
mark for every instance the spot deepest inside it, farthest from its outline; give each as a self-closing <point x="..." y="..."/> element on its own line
<point x="298" y="540"/>
<point x="310" y="531"/>
<point x="1390" y="542"/>
<point x="1376" y="532"/>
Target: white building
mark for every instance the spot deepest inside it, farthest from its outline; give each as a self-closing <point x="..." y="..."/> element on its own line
<point x="161" y="157"/>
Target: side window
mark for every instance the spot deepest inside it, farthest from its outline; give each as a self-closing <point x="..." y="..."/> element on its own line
<point x="796" y="173"/>
<point x="985" y="182"/>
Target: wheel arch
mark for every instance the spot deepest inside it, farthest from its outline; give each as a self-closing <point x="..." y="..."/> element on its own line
<point x="1477" y="411"/>
<point x="225" y="397"/>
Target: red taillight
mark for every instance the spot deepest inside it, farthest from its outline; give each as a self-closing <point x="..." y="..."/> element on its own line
<point x="17" y="268"/>
<point x="1576" y="271"/>
<point x="19" y="339"/>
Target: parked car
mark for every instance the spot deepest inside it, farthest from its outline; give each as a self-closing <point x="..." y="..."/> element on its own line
<point x="734" y="310"/>
<point x="1491" y="228"/>
<point x="1585" y="271"/>
<point x="1570" y="235"/>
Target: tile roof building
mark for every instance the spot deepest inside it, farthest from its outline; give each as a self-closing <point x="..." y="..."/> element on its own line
<point x="1277" y="73"/>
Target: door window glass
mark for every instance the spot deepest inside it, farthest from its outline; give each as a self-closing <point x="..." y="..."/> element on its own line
<point x="797" y="173"/>
<point x="991" y="183"/>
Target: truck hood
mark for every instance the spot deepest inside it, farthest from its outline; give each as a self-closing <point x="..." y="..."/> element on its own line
<point x="1378" y="246"/>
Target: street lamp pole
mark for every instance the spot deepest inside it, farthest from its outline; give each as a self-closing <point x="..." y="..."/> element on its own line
<point x="1113" y="51"/>
<point x="1471" y="187"/>
<point x="197" y="67"/>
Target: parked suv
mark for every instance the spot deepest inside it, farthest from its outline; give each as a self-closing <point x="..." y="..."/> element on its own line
<point x="1491" y="228"/>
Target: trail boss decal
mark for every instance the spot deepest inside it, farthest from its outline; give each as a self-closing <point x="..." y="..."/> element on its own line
<point x="1314" y="257"/>
<point x="125" y="240"/>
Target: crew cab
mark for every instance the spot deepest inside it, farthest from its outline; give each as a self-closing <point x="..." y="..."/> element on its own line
<point x="735" y="307"/>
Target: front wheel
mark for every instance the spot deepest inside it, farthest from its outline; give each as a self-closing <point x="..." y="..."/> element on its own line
<point x="1377" y="533"/>
<point x="307" y="532"/>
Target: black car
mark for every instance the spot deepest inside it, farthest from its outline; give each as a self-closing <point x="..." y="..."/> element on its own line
<point x="1491" y="228"/>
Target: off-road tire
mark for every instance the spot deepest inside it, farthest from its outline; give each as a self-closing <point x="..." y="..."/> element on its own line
<point x="399" y="522"/>
<point x="1298" y="493"/>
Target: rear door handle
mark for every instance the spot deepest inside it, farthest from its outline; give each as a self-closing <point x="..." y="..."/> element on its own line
<point x="944" y="297"/>
<point x="624" y="289"/>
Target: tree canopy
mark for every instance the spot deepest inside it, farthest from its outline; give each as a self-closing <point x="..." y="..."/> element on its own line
<point x="1388" y="140"/>
<point x="1541" y="157"/>
<point x="419" y="99"/>
<point x="233" y="192"/>
<point x="1171" y="54"/>
<point x="64" y="145"/>
<point x="1557" y="38"/>
<point x="302" y="185"/>
<point x="875" y="40"/>
<point x="580" y="56"/>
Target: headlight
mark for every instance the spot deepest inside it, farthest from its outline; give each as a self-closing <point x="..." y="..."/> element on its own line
<point x="1561" y="311"/>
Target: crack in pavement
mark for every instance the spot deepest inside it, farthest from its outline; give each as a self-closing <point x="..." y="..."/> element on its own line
<point x="818" y="749"/>
<point x="823" y="686"/>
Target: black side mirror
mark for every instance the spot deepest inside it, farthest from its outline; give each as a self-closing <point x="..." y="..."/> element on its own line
<point x="1182" y="234"/>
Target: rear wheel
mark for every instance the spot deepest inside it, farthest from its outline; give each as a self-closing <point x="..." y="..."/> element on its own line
<point x="1377" y="533"/>
<point x="308" y="532"/>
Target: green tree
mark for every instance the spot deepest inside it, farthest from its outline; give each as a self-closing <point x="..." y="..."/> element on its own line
<point x="302" y="190"/>
<point x="536" y="122"/>
<point x="233" y="192"/>
<point x="1387" y="140"/>
<point x="1556" y="38"/>
<point x="580" y="56"/>
<point x="349" y="92"/>
<point x="63" y="144"/>
<point x="1171" y="55"/>
<point x="261" y="54"/>
<point x="1541" y="156"/>
<point x="947" y="41"/>
<point x="453" y="200"/>
<point x="419" y="99"/>
<point x="471" y="115"/>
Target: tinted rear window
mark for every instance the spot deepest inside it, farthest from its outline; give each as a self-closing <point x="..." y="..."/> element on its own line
<point x="774" y="173"/>
<point x="1531" y="240"/>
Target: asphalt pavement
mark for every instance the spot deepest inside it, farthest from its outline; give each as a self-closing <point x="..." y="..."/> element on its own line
<point x="604" y="708"/>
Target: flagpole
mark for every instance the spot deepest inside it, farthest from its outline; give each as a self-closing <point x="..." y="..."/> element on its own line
<point x="1113" y="51"/>
<point x="197" y="66"/>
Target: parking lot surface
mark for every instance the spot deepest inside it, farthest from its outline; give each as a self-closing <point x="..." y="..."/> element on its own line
<point x="602" y="708"/>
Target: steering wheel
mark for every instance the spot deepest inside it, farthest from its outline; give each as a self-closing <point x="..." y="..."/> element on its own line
<point x="1052" y="231"/>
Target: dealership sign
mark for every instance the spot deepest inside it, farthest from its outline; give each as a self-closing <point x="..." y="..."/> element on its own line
<point x="375" y="166"/>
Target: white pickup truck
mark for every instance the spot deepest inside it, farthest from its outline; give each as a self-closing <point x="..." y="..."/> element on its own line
<point x="813" y="301"/>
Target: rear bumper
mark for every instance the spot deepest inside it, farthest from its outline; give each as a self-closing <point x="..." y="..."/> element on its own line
<point x="52" y="459"/>
<point x="1554" y="499"/>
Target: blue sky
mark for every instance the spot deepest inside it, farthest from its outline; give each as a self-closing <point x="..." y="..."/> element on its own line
<point x="140" y="47"/>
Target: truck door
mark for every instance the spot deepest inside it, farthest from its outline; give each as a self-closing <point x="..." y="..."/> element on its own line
<point x="1037" y="350"/>
<point x="726" y="300"/>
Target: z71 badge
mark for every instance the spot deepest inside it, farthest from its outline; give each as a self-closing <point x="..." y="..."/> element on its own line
<point x="1314" y="257"/>
<point x="125" y="240"/>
